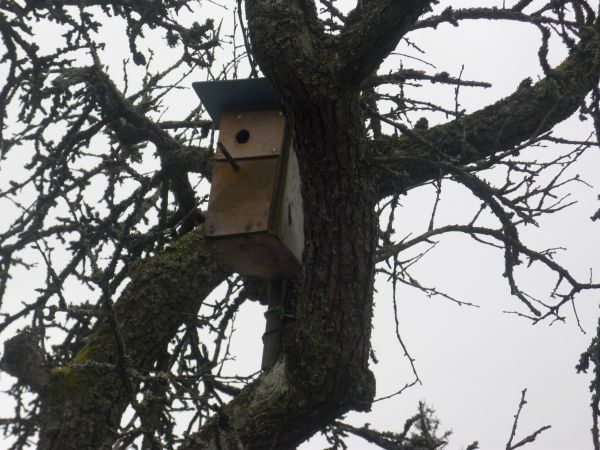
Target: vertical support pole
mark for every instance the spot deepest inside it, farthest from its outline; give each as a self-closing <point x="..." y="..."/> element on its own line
<point x="274" y="315"/>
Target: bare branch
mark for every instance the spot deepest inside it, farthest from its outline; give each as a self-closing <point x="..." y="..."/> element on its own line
<point x="524" y="115"/>
<point x="532" y="437"/>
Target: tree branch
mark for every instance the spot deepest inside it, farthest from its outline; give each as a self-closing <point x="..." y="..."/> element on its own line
<point x="24" y="359"/>
<point x="373" y="30"/>
<point x="530" y="438"/>
<point x="290" y="34"/>
<point x="131" y="127"/>
<point x="522" y="116"/>
<point x="164" y="292"/>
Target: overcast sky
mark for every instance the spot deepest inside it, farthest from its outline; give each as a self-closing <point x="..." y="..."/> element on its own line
<point x="473" y="362"/>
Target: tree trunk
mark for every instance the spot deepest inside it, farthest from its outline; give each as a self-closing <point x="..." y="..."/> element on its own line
<point x="323" y="370"/>
<point x="331" y="346"/>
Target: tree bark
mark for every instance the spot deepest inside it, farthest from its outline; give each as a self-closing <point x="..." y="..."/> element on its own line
<point x="83" y="402"/>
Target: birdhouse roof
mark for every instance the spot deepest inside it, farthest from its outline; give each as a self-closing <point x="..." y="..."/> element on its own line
<point x="225" y="94"/>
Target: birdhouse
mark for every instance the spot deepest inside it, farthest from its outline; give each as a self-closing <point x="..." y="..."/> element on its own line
<point x="254" y="221"/>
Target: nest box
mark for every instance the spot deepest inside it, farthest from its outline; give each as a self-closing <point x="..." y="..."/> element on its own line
<point x="254" y="221"/>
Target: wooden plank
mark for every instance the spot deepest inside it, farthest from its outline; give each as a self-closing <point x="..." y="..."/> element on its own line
<point x="240" y="201"/>
<point x="264" y="130"/>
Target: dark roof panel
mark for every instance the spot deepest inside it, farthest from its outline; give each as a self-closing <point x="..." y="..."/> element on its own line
<point x="218" y="95"/>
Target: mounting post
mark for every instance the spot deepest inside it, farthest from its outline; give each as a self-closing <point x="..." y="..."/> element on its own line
<point x="274" y="315"/>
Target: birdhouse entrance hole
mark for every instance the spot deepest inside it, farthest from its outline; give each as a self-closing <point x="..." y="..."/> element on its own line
<point x="242" y="136"/>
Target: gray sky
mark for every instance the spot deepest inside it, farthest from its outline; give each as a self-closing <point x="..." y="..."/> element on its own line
<point x="473" y="362"/>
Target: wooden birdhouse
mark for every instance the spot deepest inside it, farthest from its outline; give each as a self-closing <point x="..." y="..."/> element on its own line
<point x="254" y="221"/>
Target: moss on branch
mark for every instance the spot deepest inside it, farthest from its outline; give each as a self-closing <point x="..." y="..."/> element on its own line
<point x="89" y="392"/>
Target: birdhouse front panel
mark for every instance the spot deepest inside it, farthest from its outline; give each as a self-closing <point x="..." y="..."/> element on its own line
<point x="252" y="133"/>
<point x="240" y="201"/>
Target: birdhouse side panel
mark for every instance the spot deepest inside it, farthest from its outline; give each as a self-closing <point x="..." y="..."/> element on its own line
<point x="252" y="134"/>
<point x="289" y="222"/>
